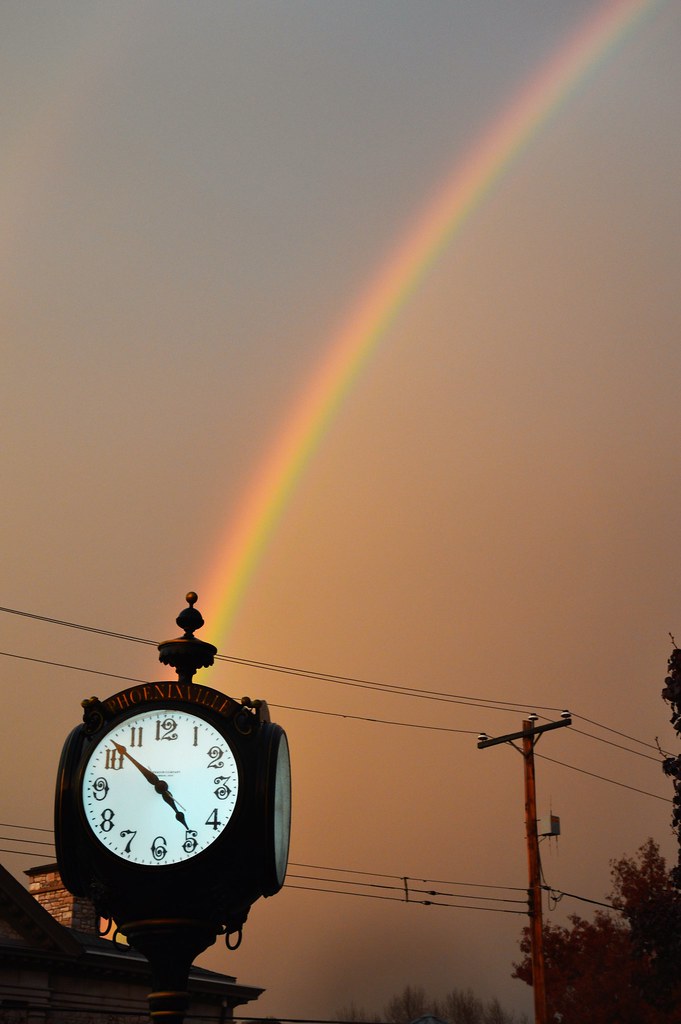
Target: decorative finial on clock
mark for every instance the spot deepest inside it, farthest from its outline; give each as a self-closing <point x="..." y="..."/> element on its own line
<point x="190" y="619"/>
<point x="186" y="654"/>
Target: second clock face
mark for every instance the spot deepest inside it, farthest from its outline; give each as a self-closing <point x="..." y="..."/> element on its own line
<point x="160" y="787"/>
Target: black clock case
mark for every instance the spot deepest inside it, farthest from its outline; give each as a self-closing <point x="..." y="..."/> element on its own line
<point x="217" y="886"/>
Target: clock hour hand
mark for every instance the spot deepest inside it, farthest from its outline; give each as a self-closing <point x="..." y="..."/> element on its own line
<point x="159" y="785"/>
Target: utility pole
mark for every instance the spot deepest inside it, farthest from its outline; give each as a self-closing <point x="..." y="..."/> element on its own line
<point x="529" y="736"/>
<point x="534" y="869"/>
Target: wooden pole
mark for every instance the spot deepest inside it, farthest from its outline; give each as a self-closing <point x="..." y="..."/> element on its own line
<point x="536" y="928"/>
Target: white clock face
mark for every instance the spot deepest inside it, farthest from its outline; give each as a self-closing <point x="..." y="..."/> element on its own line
<point x="160" y="787"/>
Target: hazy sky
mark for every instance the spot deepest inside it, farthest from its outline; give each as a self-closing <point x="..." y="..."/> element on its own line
<point x="194" y="196"/>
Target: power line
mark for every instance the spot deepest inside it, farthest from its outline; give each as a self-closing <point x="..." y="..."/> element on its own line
<point x="624" y="735"/>
<point x="433" y="881"/>
<point x="18" y="853"/>
<point x="296" y="1020"/>
<point x="32" y="842"/>
<point x="404" y="892"/>
<point x="613" y="782"/>
<point x="413" y="899"/>
<point x="125" y="1011"/>
<point x="584" y="899"/>
<point x="638" y="753"/>
<point x="285" y="707"/>
<point x="301" y="672"/>
<point x="26" y="828"/>
<point x="393" y="899"/>
<point x="76" y="625"/>
<point x="308" y="674"/>
<point x="408" y="893"/>
<point x="376" y="721"/>
<point x="391" y="722"/>
<point x="472" y="702"/>
<point x="73" y="668"/>
<point x="404" y="880"/>
<point x="369" y="684"/>
<point x="114" y="1009"/>
<point x="348" y="681"/>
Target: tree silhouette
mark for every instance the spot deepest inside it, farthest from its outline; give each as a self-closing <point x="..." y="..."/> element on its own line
<point x="672" y="765"/>
<point x="622" y="967"/>
<point x="459" y="1006"/>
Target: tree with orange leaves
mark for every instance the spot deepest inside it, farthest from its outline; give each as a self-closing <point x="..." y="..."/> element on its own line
<point x="621" y="967"/>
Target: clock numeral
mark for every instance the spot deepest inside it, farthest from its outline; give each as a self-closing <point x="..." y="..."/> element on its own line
<point x="190" y="843"/>
<point x="166" y="729"/>
<point x="213" y="820"/>
<point x="128" y="832"/>
<point x="106" y="824"/>
<point x="100" y="789"/>
<point x="223" y="791"/>
<point x="159" y="848"/>
<point x="114" y="759"/>
<point x="136" y="736"/>
<point x="215" y="753"/>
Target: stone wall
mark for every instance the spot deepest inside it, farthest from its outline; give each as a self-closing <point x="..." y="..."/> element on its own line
<point x="75" y="912"/>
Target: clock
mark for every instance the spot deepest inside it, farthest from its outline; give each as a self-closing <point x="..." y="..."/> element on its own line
<point x="160" y="787"/>
<point x="277" y="807"/>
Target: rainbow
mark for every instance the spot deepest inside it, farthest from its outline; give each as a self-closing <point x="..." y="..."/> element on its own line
<point x="396" y="281"/>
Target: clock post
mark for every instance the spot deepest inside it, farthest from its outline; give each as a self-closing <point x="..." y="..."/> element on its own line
<point x="172" y="813"/>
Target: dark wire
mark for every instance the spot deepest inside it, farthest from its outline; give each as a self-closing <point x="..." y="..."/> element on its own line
<point x="395" y="899"/>
<point x="368" y="684"/>
<point x="382" y="721"/>
<point x="584" y="899"/>
<point x="377" y="721"/>
<point x="405" y="891"/>
<point x="120" y="1011"/>
<point x="404" y="887"/>
<point x="611" y="743"/>
<point x="307" y="674"/>
<point x="367" y="895"/>
<point x="26" y="828"/>
<point x="287" y="669"/>
<point x="32" y="842"/>
<point x="18" y="853"/>
<point x="613" y="782"/>
<point x="364" y="718"/>
<point x="402" y="879"/>
<point x="344" y="680"/>
<point x="616" y="732"/>
<point x="73" y="668"/>
<point x="76" y="625"/>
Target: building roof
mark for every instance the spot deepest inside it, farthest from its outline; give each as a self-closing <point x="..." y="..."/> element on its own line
<point x="31" y="936"/>
<point x="24" y="923"/>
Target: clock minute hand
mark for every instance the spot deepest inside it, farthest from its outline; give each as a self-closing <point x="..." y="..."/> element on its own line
<point x="148" y="775"/>
<point x="159" y="785"/>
